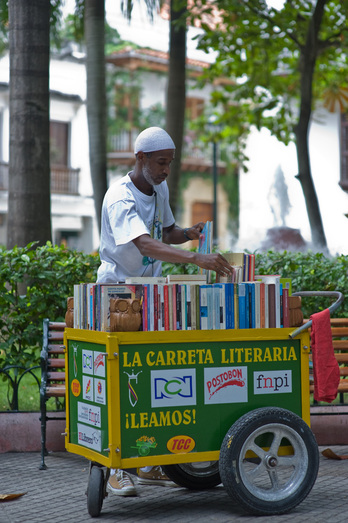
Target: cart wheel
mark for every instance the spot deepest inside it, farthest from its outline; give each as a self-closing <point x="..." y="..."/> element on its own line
<point x="194" y="476"/>
<point x="95" y="491"/>
<point x="264" y="478"/>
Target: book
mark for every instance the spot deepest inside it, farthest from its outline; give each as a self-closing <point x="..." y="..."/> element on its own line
<point x="286" y="311"/>
<point x="252" y="304"/>
<point x="229" y="305"/>
<point x="271" y="305"/>
<point x="205" y="245"/>
<point x="186" y="278"/>
<point x="142" y="280"/>
<point x="242" y="306"/>
<point x="274" y="279"/>
<point x="203" y="306"/>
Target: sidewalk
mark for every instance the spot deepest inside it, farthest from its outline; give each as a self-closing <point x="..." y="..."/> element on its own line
<point x="57" y="495"/>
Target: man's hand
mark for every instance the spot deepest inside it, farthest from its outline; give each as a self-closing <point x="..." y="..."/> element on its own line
<point x="214" y="262"/>
<point x="194" y="232"/>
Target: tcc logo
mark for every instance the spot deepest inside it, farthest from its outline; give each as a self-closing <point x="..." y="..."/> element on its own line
<point x="171" y="388"/>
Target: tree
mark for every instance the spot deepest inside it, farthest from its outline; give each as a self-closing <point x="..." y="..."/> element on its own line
<point x="94" y="26"/>
<point x="176" y="90"/>
<point x="280" y="61"/>
<point x="29" y="211"/>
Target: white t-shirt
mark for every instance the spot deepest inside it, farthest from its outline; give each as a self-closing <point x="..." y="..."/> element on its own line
<point x="127" y="213"/>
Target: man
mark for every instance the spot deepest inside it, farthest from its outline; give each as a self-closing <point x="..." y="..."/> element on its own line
<point x="137" y="233"/>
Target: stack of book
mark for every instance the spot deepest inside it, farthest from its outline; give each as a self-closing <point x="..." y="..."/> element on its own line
<point x="187" y="302"/>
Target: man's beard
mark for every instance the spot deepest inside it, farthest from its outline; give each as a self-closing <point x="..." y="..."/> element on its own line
<point x="148" y="176"/>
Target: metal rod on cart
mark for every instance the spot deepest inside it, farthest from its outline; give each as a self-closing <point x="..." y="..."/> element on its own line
<point x="332" y="308"/>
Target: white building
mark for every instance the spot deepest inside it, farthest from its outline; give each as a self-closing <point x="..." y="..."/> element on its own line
<point x="270" y="195"/>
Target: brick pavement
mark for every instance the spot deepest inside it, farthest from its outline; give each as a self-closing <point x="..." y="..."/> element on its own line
<point x="68" y="475"/>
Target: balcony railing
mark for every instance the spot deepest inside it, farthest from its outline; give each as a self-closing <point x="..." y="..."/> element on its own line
<point x="64" y="180"/>
<point x="196" y="154"/>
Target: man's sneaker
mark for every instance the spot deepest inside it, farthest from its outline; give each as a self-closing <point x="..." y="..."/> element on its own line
<point x="121" y="484"/>
<point x="154" y="477"/>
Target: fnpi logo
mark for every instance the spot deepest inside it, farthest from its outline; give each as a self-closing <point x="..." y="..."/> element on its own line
<point x="273" y="382"/>
<point x="225" y="385"/>
<point x="133" y="397"/>
<point x="173" y="388"/>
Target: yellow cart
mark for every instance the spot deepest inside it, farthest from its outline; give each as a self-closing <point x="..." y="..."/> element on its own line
<point x="226" y="406"/>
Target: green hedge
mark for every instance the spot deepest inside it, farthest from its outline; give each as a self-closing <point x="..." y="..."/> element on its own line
<point x="36" y="281"/>
<point x="34" y="284"/>
<point x="309" y="272"/>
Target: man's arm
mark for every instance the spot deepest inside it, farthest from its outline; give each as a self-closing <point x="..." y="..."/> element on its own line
<point x="175" y="235"/>
<point x="161" y="251"/>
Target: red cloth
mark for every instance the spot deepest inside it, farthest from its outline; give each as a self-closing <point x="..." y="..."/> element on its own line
<point x="325" y="367"/>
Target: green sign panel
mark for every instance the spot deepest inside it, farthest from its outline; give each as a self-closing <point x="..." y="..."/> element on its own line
<point x="184" y="397"/>
<point x="87" y="381"/>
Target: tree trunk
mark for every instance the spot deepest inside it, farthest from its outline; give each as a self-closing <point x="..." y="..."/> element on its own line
<point x="96" y="98"/>
<point x="29" y="203"/>
<point x="176" y="95"/>
<point x="307" y="64"/>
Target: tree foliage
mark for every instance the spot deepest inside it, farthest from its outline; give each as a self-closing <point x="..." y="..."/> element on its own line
<point x="278" y="64"/>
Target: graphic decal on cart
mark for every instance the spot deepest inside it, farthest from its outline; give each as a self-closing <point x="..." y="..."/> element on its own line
<point x="99" y="364"/>
<point x="273" y="382"/>
<point x="87" y="384"/>
<point x="173" y="388"/>
<point x="76" y="388"/>
<point x="144" y="445"/>
<point x="133" y="396"/>
<point x="225" y="385"/>
<point x="75" y="360"/>
<point x="89" y="437"/>
<point x="181" y="444"/>
<point x="89" y="414"/>
<point x="87" y="362"/>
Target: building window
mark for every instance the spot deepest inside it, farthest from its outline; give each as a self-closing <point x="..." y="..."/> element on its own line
<point x="59" y="143"/>
<point x="344" y="152"/>
<point x="194" y="108"/>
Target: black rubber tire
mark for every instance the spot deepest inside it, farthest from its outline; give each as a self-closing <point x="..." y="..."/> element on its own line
<point x="254" y="474"/>
<point x="194" y="476"/>
<point x="95" y="491"/>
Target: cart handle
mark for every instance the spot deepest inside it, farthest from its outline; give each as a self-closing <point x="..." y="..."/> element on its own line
<point x="332" y="308"/>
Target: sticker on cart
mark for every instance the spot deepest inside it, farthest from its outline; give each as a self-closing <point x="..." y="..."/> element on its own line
<point x="89" y="437"/>
<point x="89" y="414"/>
<point x="173" y="387"/>
<point x="144" y="445"/>
<point x="87" y="388"/>
<point x="99" y="391"/>
<point x="225" y="385"/>
<point x="273" y="382"/>
<point x="181" y="444"/>
<point x="132" y="383"/>
<point x="87" y="362"/>
<point x="99" y="364"/>
<point x="76" y="388"/>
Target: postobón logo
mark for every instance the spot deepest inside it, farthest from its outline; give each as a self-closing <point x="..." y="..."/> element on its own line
<point x="273" y="382"/>
<point x="225" y="385"/>
<point x="173" y="388"/>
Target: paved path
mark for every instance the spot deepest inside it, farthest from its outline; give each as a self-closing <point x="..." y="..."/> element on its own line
<point x="57" y="495"/>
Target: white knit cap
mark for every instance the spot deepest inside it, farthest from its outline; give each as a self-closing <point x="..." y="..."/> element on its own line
<point x="153" y="139"/>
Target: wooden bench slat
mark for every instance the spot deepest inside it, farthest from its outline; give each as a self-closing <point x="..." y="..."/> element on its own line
<point x="56" y="376"/>
<point x="55" y="391"/>
<point x="56" y="363"/>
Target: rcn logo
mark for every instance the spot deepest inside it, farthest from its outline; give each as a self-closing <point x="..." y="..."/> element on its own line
<point x="172" y="388"/>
